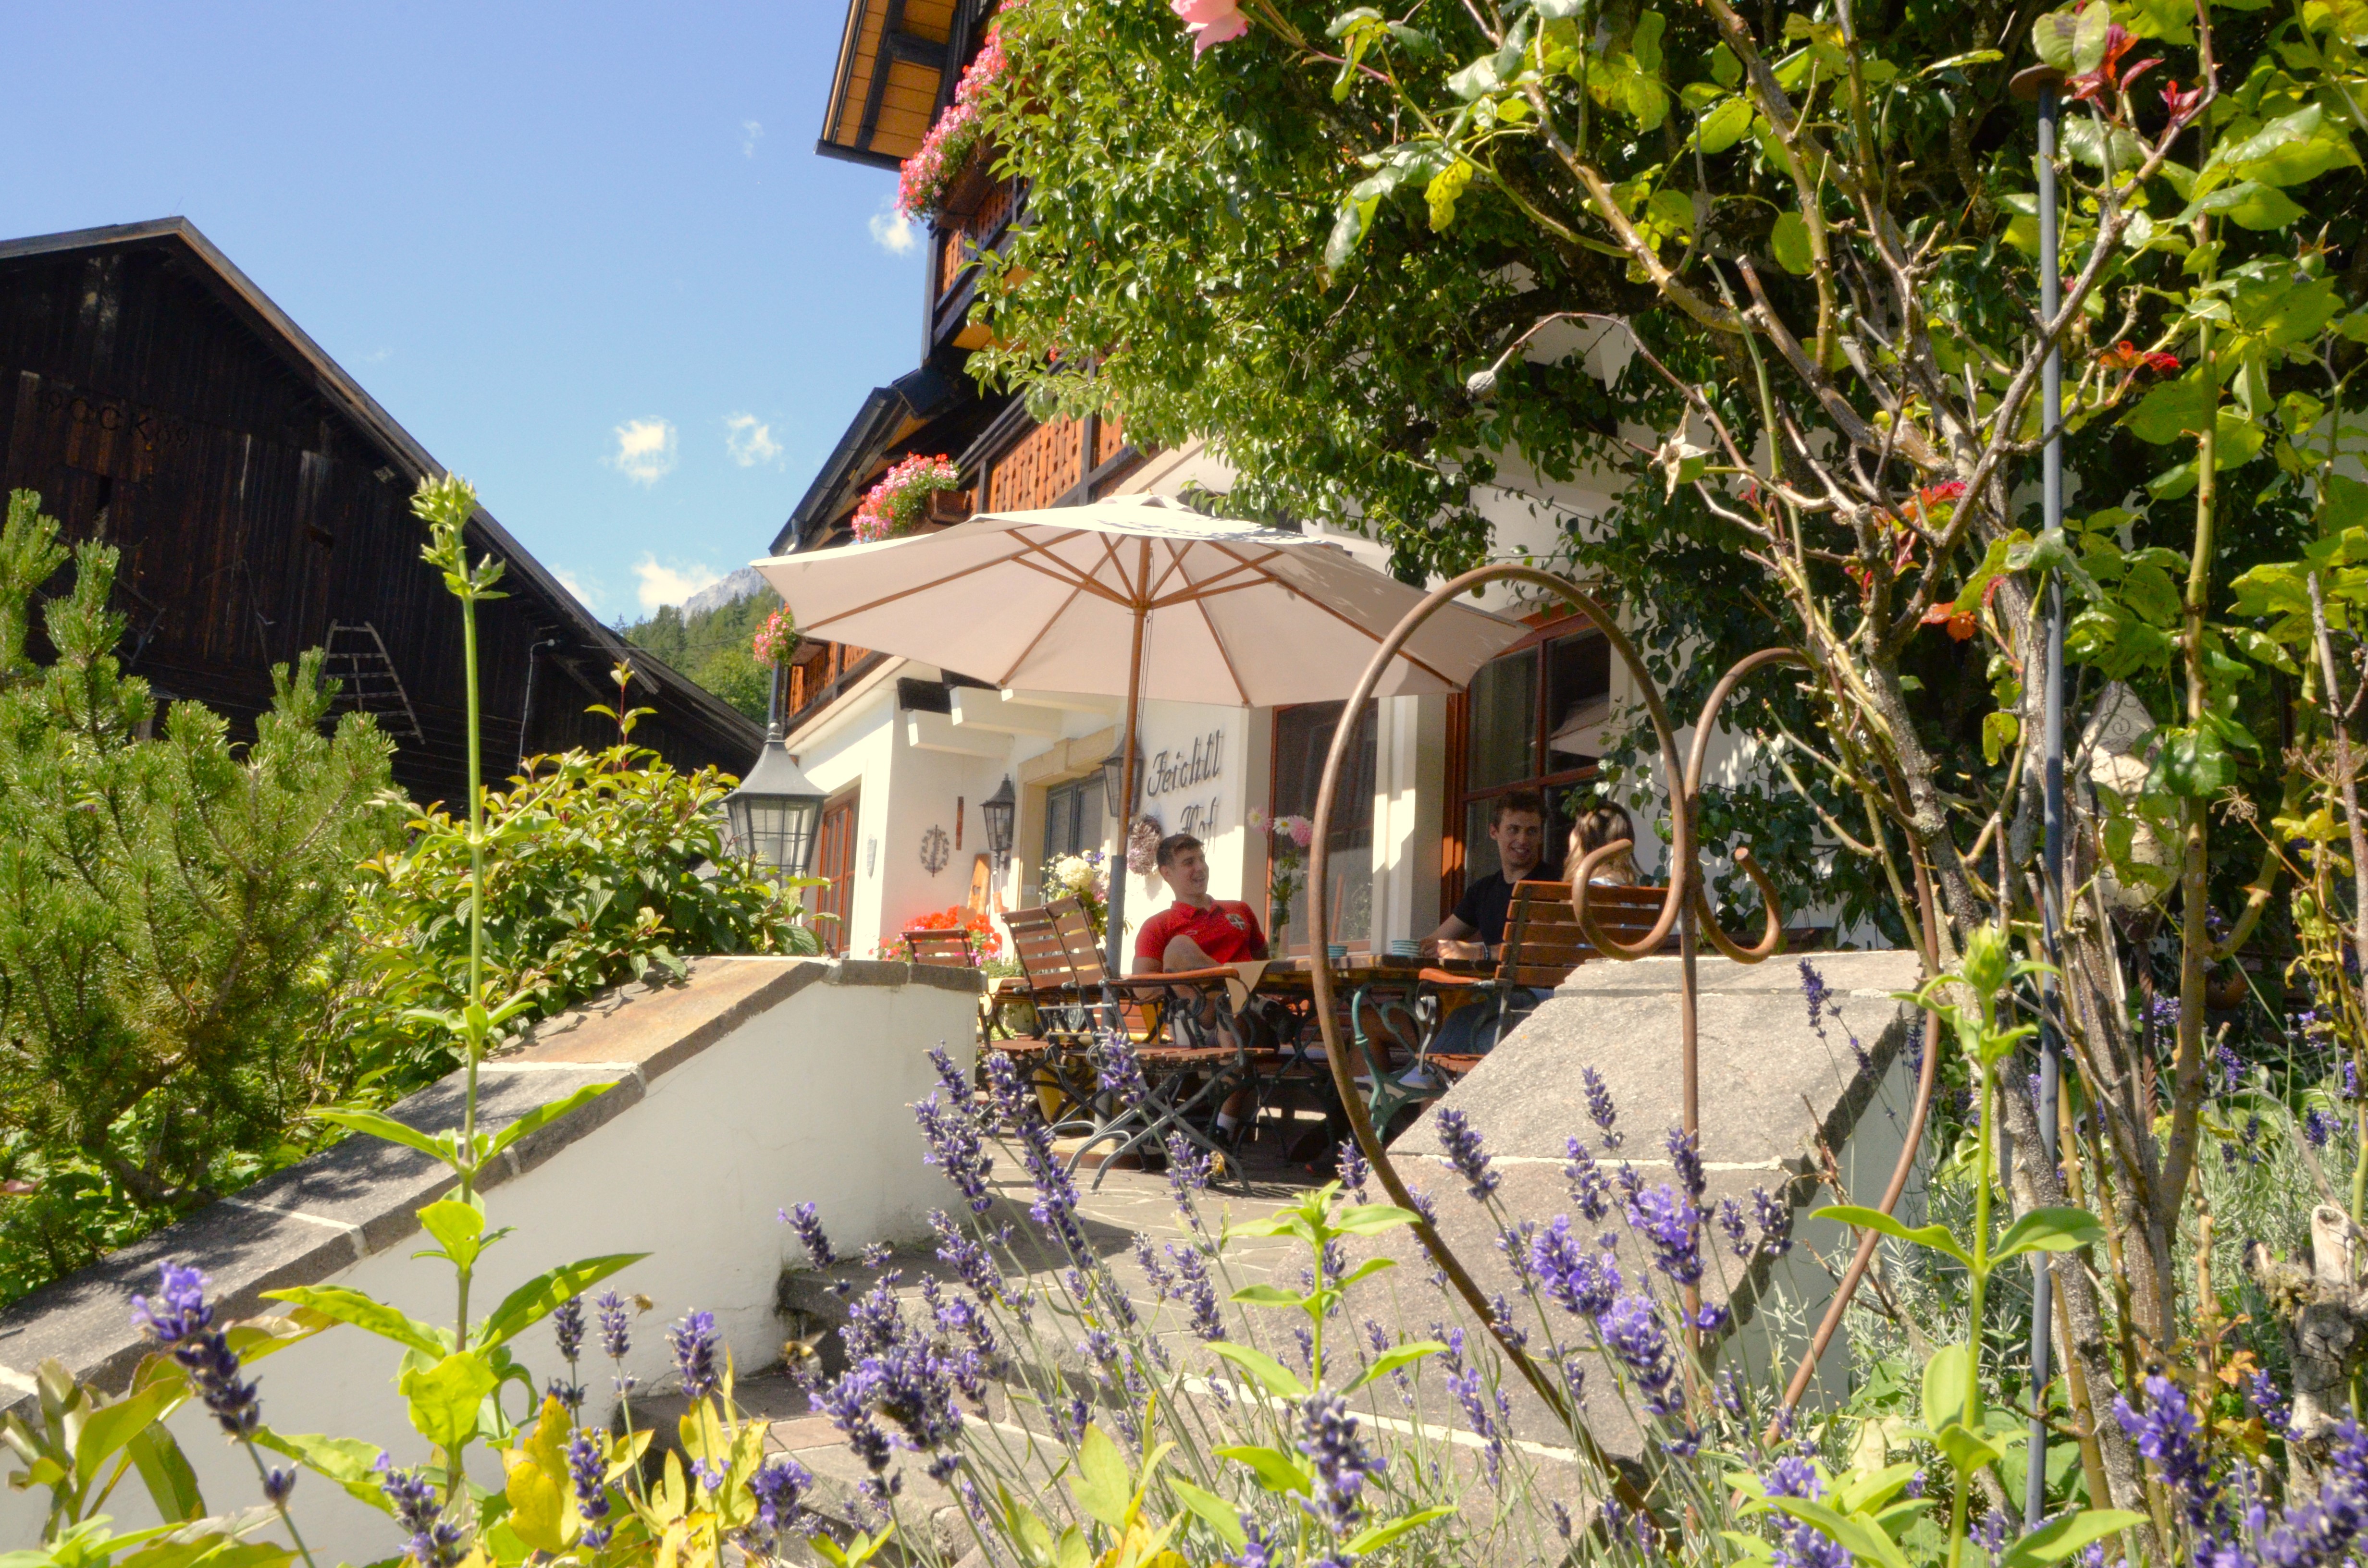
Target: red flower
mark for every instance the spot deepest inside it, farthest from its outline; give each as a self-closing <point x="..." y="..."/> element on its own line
<point x="2129" y="358"/>
<point x="2091" y="85"/>
<point x="1934" y="495"/>
<point x="2182" y="104"/>
<point x="1962" y="627"/>
<point x="2163" y="364"/>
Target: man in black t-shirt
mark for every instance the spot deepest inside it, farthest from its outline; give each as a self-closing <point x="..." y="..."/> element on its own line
<point x="1516" y="826"/>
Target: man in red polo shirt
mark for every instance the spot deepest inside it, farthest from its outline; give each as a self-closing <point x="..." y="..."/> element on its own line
<point x="1195" y="931"/>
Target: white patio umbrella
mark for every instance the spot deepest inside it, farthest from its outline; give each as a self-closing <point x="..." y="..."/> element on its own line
<point x="1068" y="599"/>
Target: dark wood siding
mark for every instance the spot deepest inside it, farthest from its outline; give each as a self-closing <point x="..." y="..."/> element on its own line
<point x="253" y="512"/>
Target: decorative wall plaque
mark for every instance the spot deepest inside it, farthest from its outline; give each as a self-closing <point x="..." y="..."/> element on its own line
<point x="936" y="850"/>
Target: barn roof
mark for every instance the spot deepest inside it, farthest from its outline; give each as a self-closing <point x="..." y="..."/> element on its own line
<point x="402" y="453"/>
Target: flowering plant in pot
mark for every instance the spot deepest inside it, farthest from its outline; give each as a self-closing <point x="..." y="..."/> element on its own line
<point x="930" y="173"/>
<point x="776" y="640"/>
<point x="896" y="504"/>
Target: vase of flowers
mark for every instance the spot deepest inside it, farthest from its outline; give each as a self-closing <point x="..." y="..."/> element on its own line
<point x="897" y="504"/>
<point x="1084" y="878"/>
<point x="1286" y="864"/>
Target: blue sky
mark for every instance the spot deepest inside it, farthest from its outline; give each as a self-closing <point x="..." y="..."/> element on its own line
<point x="585" y="253"/>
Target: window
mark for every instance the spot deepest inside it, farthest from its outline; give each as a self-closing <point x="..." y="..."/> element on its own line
<point x="1073" y="817"/>
<point x="1536" y="721"/>
<point x="834" y="858"/>
<point x="1302" y="738"/>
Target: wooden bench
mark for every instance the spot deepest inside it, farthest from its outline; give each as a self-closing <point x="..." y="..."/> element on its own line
<point x="1543" y="945"/>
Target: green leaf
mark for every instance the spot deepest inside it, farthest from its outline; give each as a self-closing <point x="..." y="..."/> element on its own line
<point x="2192" y="762"/>
<point x="350" y="1462"/>
<point x="165" y="1471"/>
<point x="1966" y="1450"/>
<point x="346" y="1306"/>
<point x="110" y="1427"/>
<point x="457" y="1227"/>
<point x="1373" y="1537"/>
<point x="2048" y="1230"/>
<point x="1365" y="1270"/>
<point x="1276" y="1470"/>
<point x="1268" y="1296"/>
<point x="1277" y="1379"/>
<point x="1101" y="1485"/>
<point x="2249" y="204"/>
<point x="444" y="1399"/>
<point x="1211" y="1510"/>
<point x="1789" y="241"/>
<point x="1371" y="1219"/>
<point x="1859" y="1536"/>
<point x="2000" y="729"/>
<point x="1948" y="1384"/>
<point x="2054" y="1542"/>
<point x="543" y="1294"/>
<point x="2183" y="407"/>
<point x="1724" y="126"/>
<point x="1390" y="1361"/>
<point x="543" y="1116"/>
<point x="391" y="1131"/>
<point x="1935" y="1237"/>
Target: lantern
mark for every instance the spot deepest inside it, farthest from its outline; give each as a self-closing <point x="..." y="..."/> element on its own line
<point x="997" y="811"/>
<point x="773" y="815"/>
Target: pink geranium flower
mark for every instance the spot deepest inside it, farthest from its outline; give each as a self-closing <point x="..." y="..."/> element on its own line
<point x="1210" y="22"/>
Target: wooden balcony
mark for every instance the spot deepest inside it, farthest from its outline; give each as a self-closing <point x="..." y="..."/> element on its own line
<point x="977" y="216"/>
<point x="818" y="673"/>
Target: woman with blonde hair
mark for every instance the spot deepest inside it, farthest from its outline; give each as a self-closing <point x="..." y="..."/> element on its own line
<point x="1599" y="825"/>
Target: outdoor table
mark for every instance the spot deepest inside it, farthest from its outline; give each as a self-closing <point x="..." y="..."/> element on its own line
<point x="1379" y="995"/>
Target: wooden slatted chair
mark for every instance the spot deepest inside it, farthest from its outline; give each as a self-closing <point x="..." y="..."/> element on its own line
<point x="1543" y="945"/>
<point x="942" y="949"/>
<point x="1053" y="1052"/>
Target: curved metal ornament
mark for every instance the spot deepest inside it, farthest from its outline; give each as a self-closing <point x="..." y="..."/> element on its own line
<point x="1686" y="909"/>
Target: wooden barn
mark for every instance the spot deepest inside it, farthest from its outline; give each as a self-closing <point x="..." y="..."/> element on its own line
<point x="159" y="400"/>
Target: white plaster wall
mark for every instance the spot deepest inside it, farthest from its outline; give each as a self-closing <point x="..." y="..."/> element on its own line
<point x="806" y="1102"/>
<point x="922" y="791"/>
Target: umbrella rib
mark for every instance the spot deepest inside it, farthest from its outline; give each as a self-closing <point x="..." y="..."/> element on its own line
<point x="1069" y="578"/>
<point x="1224" y="652"/>
<point x="1042" y="630"/>
<point x="906" y="592"/>
<point x="1239" y="565"/>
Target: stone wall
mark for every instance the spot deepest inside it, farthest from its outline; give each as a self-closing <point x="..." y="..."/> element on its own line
<point x="758" y="1084"/>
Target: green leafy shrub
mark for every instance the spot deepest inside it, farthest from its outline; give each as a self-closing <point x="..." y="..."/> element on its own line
<point x="173" y="939"/>
<point x="599" y="868"/>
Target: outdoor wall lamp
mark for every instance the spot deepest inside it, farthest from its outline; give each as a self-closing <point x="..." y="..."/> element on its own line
<point x="773" y="815"/>
<point x="996" y="812"/>
<point x="1114" y="784"/>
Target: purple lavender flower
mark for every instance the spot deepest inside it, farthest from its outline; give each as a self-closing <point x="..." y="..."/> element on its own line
<point x="1713" y="1318"/>
<point x="806" y="1220"/>
<point x="1424" y="1205"/>
<point x="277" y="1486"/>
<point x="586" y="1471"/>
<point x="951" y="1078"/>
<point x="954" y="1144"/>
<point x="1471" y="1391"/>
<point x="1632" y="1332"/>
<point x="1328" y="1439"/>
<point x="1775" y="1218"/>
<point x="1589" y="1188"/>
<point x="2351" y="1081"/>
<point x="1912" y="1045"/>
<point x="1815" y="991"/>
<point x="1197" y="1292"/>
<point x="780" y="1487"/>
<point x="1672" y="1226"/>
<point x="435" y="1541"/>
<point x="567" y="1394"/>
<point x="2264" y="1395"/>
<point x="615" y="1339"/>
<point x="2232" y="1071"/>
<point x="1582" y="1286"/>
<point x="694" y="1354"/>
<point x="2318" y="1127"/>
<point x="181" y="1321"/>
<point x="1465" y="1156"/>
<point x="1806" y="1548"/>
<point x="1730" y="1222"/>
<point x="1354" y="1171"/>
<point x="875" y="1255"/>
<point x="1118" y="1071"/>
<point x="1508" y="1327"/>
<point x="1685" y="1153"/>
<point x="1793" y="1477"/>
<point x="2167" y="1432"/>
<point x="1914" y="1487"/>
<point x="1600" y="1108"/>
<point x="567" y="1327"/>
<point x="1055" y="1208"/>
<point x="847" y="1399"/>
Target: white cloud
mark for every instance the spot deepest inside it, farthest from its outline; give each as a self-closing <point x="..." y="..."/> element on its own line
<point x="644" y="451"/>
<point x="892" y="231"/>
<point x="750" y="134"/>
<point x="667" y="584"/>
<point x="586" y="594"/>
<point x="749" y="441"/>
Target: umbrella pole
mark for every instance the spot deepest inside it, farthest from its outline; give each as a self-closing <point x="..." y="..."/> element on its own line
<point x="1114" y="938"/>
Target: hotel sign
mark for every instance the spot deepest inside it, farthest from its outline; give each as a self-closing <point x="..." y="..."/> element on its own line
<point x="1177" y="771"/>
